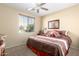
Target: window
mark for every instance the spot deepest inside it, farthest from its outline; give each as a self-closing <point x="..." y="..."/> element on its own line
<point x="26" y="23"/>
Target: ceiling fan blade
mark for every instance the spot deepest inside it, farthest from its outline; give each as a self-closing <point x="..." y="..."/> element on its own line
<point x="37" y="10"/>
<point x="42" y="4"/>
<point x="44" y="8"/>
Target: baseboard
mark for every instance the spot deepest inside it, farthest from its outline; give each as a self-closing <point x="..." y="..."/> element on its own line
<point x="74" y="48"/>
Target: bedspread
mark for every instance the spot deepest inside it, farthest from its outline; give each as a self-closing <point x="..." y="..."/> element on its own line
<point x="51" y="45"/>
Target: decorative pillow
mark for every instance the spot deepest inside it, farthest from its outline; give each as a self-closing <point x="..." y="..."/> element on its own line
<point x="61" y="32"/>
<point x="54" y="33"/>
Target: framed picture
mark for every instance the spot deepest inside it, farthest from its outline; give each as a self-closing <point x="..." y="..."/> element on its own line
<point x="54" y="24"/>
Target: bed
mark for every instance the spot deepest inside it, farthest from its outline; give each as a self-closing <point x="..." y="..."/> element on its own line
<point x="50" y="44"/>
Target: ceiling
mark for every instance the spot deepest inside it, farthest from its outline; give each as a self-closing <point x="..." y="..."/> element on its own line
<point x="52" y="7"/>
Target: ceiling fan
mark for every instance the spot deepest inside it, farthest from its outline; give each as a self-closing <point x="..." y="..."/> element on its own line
<point x="38" y="7"/>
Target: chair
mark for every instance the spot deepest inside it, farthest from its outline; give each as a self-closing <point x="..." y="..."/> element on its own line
<point x="2" y="44"/>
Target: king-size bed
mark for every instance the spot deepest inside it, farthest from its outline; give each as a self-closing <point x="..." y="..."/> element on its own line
<point x="54" y="43"/>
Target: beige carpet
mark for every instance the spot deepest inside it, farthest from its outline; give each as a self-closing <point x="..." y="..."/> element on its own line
<point x="73" y="52"/>
<point x="19" y="51"/>
<point x="25" y="51"/>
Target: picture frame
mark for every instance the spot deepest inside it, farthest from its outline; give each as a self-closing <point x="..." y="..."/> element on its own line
<point x="54" y="24"/>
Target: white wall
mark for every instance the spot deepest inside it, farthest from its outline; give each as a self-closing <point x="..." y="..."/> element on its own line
<point x="9" y="25"/>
